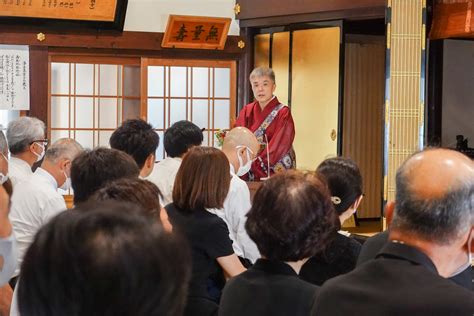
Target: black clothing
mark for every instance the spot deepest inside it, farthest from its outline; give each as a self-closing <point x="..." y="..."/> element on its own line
<point x="400" y="281"/>
<point x="267" y="288"/>
<point x="338" y="258"/>
<point x="374" y="244"/>
<point x="209" y="239"/>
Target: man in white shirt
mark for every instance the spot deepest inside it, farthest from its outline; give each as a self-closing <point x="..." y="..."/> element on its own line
<point x="27" y="142"/>
<point x="37" y="200"/>
<point x="241" y="147"/>
<point x="178" y="139"/>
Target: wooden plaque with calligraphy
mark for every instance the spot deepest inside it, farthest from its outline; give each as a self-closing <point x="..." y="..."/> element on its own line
<point x="196" y="32"/>
<point x="452" y="19"/>
<point x="108" y="14"/>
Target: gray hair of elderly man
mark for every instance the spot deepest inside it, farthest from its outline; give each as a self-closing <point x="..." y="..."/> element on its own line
<point x="439" y="219"/>
<point x="63" y="148"/>
<point x="3" y="143"/>
<point x="262" y="72"/>
<point x="22" y="132"/>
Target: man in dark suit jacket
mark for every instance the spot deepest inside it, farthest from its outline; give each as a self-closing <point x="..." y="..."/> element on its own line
<point x="430" y="239"/>
<point x="375" y="244"/>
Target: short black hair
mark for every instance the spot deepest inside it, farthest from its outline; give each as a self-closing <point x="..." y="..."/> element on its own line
<point x="137" y="138"/>
<point x="181" y="136"/>
<point x="91" y="170"/>
<point x="292" y="217"/>
<point x="344" y="180"/>
<point x="104" y="259"/>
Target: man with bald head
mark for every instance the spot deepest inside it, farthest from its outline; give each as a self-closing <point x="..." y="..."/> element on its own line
<point x="430" y="240"/>
<point x="241" y="147"/>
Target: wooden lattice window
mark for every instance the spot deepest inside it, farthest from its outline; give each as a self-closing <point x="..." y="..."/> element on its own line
<point x="90" y="97"/>
<point x="199" y="91"/>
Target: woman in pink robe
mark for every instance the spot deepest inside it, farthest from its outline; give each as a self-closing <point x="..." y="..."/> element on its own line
<point x="272" y="124"/>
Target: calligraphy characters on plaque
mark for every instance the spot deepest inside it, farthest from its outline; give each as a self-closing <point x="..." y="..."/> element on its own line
<point x="196" y="32"/>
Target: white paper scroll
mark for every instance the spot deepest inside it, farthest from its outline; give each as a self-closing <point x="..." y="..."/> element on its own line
<point x="14" y="77"/>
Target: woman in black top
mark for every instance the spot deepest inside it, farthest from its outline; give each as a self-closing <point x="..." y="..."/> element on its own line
<point x="290" y="220"/>
<point x="202" y="182"/>
<point x="345" y="183"/>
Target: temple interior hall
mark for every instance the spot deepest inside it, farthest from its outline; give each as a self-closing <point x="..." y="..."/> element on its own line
<point x="276" y="86"/>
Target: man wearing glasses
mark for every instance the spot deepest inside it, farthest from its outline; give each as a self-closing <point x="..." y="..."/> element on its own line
<point x="27" y="144"/>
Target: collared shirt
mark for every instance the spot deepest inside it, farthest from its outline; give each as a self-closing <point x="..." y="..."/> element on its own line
<point x="34" y="203"/>
<point x="8" y="258"/>
<point x="236" y="206"/>
<point x="18" y="170"/>
<point x="163" y="175"/>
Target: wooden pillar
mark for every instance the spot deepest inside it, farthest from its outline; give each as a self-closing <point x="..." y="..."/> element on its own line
<point x="39" y="83"/>
<point x="405" y="86"/>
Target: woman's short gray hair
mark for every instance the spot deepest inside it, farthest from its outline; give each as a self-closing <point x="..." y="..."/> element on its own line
<point x="262" y="72"/>
<point x="22" y="131"/>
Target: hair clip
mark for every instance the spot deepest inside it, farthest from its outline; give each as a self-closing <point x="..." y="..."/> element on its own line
<point x="336" y="200"/>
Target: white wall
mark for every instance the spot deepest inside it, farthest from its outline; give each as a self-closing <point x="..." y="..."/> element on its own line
<point x="458" y="92"/>
<point x="152" y="15"/>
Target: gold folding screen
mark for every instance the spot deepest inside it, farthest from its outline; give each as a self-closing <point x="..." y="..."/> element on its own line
<point x="405" y="76"/>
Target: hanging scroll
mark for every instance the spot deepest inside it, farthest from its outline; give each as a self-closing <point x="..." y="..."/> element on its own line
<point x="14" y="77"/>
<point x="196" y="32"/>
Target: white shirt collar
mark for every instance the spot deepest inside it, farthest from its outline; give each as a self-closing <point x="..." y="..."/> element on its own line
<point x="232" y="170"/>
<point x="20" y="163"/>
<point x="47" y="176"/>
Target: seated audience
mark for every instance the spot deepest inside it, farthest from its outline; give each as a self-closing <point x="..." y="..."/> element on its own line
<point x="178" y="139"/>
<point x="93" y="169"/>
<point x="27" y="142"/>
<point x="291" y="219"/>
<point x="8" y="247"/>
<point x="137" y="191"/>
<point x="138" y="139"/>
<point x="430" y="238"/>
<point x="202" y="183"/>
<point x="240" y="147"/>
<point x="36" y="200"/>
<point x="104" y="260"/>
<point x="345" y="185"/>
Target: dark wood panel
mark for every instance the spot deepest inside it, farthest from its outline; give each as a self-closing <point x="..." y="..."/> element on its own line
<point x="251" y="9"/>
<point x="355" y="14"/>
<point x="434" y="91"/>
<point x="147" y="41"/>
<point x="245" y="65"/>
<point x="39" y="83"/>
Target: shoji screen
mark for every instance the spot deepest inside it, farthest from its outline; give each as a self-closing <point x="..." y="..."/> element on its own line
<point x="199" y="91"/>
<point x="90" y="98"/>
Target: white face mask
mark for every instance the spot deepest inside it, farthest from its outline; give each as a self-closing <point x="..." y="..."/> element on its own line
<point x="243" y="169"/>
<point x="39" y="156"/>
<point x="67" y="184"/>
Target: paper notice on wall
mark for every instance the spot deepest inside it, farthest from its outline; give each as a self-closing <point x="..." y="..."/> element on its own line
<point x="14" y="77"/>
